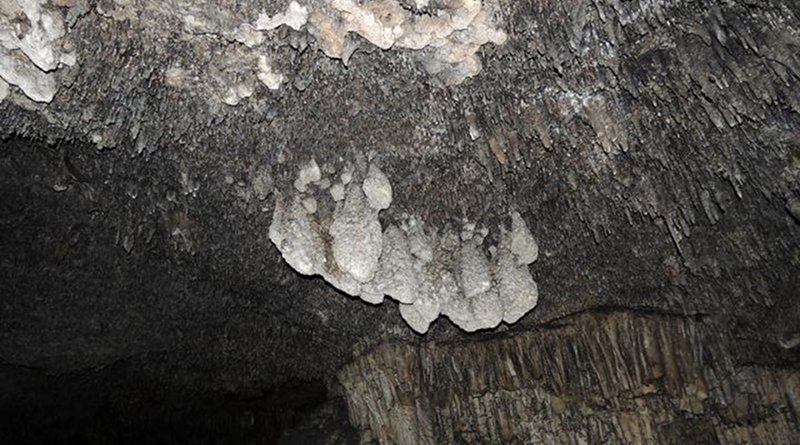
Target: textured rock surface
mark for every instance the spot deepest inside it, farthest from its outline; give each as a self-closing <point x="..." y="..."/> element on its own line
<point x="31" y="47"/>
<point x="650" y="146"/>
<point x="346" y="245"/>
<point x="613" y="377"/>
<point x="448" y="33"/>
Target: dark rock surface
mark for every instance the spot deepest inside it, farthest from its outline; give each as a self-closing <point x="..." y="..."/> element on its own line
<point x="652" y="147"/>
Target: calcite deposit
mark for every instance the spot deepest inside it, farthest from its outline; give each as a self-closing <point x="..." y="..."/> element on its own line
<point x="428" y="272"/>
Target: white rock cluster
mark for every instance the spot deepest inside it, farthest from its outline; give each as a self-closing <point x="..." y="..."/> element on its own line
<point x="427" y="272"/>
<point x="447" y="37"/>
<point x="295" y="17"/>
<point x="30" y="51"/>
<point x="444" y="35"/>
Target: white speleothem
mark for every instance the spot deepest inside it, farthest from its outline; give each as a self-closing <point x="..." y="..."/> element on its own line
<point x="429" y="273"/>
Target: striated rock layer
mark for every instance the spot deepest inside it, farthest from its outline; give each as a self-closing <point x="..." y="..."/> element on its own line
<point x="618" y="377"/>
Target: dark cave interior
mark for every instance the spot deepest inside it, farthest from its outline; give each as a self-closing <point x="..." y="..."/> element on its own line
<point x="400" y="223"/>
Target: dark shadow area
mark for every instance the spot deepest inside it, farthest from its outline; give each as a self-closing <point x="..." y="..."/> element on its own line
<point x="113" y="406"/>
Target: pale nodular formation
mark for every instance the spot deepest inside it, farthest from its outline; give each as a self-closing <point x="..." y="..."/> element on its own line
<point x="444" y="35"/>
<point x="429" y="272"/>
<point x="30" y="49"/>
<point x="447" y="35"/>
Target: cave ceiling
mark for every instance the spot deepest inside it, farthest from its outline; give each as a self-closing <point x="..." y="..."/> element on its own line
<point x="528" y="159"/>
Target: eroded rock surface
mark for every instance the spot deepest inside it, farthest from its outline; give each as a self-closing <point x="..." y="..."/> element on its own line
<point x="614" y="377"/>
<point x="649" y="146"/>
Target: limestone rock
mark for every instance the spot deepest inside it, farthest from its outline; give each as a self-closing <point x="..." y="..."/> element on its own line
<point x="377" y="188"/>
<point x="295" y="234"/>
<point x="356" y="236"/>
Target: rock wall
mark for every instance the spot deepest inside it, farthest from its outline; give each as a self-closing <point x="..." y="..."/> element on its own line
<point x="615" y="377"/>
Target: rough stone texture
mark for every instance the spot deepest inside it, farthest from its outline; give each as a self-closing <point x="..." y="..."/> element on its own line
<point x="377" y="189"/>
<point x="356" y="236"/>
<point x="30" y="45"/>
<point x="449" y="34"/>
<point x="345" y="244"/>
<point x="650" y="146"/>
<point x="613" y="377"/>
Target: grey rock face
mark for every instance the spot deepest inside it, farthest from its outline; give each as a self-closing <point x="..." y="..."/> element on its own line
<point x="649" y="146"/>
